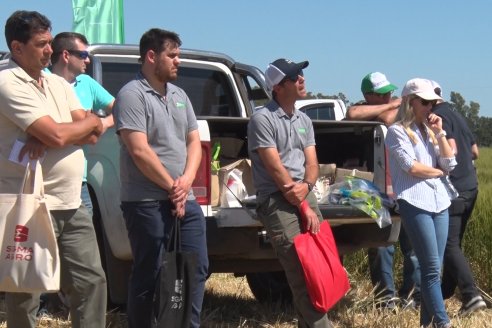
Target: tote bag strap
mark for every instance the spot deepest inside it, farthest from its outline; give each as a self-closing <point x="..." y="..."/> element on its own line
<point x="175" y="239"/>
<point x="33" y="179"/>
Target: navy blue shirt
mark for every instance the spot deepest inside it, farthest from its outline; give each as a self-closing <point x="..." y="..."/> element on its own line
<point x="463" y="176"/>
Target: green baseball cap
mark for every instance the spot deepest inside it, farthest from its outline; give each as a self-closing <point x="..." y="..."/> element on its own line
<point x="376" y="82"/>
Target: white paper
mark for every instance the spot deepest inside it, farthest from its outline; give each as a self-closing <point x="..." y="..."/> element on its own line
<point x="14" y="155"/>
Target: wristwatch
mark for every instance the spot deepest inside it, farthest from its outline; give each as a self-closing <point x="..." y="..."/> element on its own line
<point x="310" y="185"/>
<point x="441" y="134"/>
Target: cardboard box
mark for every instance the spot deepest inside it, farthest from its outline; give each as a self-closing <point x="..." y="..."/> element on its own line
<point x="229" y="147"/>
<point x="244" y="165"/>
<point x="214" y="189"/>
<point x="341" y="173"/>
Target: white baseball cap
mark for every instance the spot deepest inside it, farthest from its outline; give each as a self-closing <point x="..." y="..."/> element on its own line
<point x="420" y="87"/>
<point x="281" y="68"/>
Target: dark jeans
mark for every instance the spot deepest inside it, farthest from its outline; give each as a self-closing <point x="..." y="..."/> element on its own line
<point x="381" y="269"/>
<point x="149" y="225"/>
<point x="456" y="270"/>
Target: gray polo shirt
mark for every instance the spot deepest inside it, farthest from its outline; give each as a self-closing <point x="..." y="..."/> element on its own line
<point x="166" y="121"/>
<point x="270" y="127"/>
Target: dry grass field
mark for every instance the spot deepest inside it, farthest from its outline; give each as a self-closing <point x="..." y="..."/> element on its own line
<point x="229" y="304"/>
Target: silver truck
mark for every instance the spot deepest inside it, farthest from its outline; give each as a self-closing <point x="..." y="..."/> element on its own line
<point x="224" y="93"/>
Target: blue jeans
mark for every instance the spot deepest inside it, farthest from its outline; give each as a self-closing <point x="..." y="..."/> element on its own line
<point x="149" y="225"/>
<point x="428" y="232"/>
<point x="381" y="269"/>
<point x="85" y="196"/>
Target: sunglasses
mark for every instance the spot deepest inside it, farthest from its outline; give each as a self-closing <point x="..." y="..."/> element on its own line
<point x="82" y="54"/>
<point x="294" y="77"/>
<point x="426" y="102"/>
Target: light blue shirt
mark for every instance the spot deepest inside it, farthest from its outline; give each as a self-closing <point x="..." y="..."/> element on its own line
<point x="428" y="194"/>
<point x="91" y="94"/>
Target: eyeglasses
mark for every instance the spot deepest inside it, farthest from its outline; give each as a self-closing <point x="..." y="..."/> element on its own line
<point x="426" y="102"/>
<point x="82" y="54"/>
<point x="294" y="77"/>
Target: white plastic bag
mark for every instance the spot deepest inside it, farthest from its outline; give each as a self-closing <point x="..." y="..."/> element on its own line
<point x="234" y="191"/>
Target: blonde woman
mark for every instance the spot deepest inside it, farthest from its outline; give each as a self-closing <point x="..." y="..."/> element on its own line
<point x="419" y="156"/>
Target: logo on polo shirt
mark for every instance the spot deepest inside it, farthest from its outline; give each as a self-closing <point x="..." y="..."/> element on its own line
<point x="302" y="130"/>
<point x="180" y="104"/>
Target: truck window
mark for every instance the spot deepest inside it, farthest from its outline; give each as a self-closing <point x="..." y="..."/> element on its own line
<point x="209" y="90"/>
<point x="324" y="112"/>
<point x="256" y="94"/>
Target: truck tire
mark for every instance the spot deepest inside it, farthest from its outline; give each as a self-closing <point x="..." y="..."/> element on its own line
<point x="270" y="286"/>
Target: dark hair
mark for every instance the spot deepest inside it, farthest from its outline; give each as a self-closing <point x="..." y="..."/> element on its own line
<point x="157" y="40"/>
<point x="65" y="41"/>
<point x="22" y="24"/>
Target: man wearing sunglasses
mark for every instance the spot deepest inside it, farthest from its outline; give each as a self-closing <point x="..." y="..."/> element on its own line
<point x="285" y="167"/>
<point x="379" y="106"/>
<point x="69" y="60"/>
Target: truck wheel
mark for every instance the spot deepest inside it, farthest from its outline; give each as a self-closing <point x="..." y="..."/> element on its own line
<point x="270" y="286"/>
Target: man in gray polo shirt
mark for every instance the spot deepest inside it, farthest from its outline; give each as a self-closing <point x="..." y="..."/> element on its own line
<point x="285" y="166"/>
<point x="159" y="156"/>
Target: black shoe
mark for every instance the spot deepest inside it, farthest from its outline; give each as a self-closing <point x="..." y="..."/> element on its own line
<point x="475" y="304"/>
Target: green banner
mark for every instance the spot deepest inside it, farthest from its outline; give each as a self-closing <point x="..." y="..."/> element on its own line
<point x="101" y="21"/>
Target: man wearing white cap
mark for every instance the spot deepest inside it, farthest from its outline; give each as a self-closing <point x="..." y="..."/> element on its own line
<point x="285" y="167"/>
<point x="378" y="105"/>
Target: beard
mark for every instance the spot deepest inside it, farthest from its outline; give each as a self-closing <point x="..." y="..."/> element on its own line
<point x="163" y="74"/>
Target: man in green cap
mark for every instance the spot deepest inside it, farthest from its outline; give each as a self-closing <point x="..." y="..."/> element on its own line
<point x="378" y="105"/>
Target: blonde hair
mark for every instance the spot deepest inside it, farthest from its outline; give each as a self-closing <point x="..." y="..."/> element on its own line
<point x="406" y="117"/>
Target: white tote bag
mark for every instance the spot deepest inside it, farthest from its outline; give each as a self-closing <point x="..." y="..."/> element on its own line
<point x="29" y="260"/>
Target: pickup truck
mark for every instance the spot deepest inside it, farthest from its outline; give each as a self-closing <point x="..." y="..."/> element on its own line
<point x="224" y="93"/>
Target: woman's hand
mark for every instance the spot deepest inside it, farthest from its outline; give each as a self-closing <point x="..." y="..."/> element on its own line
<point x="434" y="122"/>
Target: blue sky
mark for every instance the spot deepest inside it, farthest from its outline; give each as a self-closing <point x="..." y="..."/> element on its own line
<point x="447" y="41"/>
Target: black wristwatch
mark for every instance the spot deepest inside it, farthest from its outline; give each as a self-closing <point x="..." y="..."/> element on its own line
<point x="310" y="185"/>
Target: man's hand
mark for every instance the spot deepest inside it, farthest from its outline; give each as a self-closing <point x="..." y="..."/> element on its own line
<point x="99" y="129"/>
<point x="309" y="218"/>
<point x="295" y="192"/>
<point x="179" y="194"/>
<point x="33" y="148"/>
<point x="179" y="209"/>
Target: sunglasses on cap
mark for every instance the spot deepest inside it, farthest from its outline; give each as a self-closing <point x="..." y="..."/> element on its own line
<point x="82" y="54"/>
<point x="294" y="77"/>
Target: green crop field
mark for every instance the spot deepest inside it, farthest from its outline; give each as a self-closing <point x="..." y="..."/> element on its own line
<point x="478" y="238"/>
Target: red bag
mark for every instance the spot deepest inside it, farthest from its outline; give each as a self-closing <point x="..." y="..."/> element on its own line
<point x="326" y="279"/>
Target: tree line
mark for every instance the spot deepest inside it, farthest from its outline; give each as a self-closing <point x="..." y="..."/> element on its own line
<point x="481" y="126"/>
